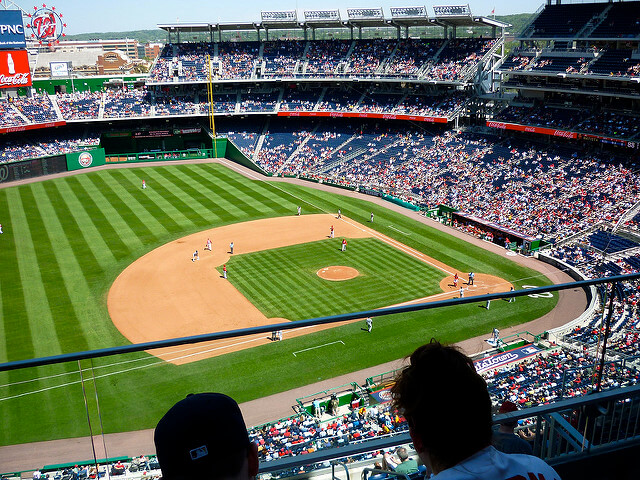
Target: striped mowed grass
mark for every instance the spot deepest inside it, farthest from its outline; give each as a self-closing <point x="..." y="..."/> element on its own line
<point x="67" y="239"/>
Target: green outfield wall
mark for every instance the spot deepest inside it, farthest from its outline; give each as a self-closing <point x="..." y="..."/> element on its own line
<point x="85" y="159"/>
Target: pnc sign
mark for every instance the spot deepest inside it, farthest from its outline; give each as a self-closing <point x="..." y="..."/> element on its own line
<point x="46" y="25"/>
<point x="11" y="30"/>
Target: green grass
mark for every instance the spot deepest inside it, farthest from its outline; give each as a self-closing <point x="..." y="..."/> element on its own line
<point x="67" y="239"/>
<point x="293" y="290"/>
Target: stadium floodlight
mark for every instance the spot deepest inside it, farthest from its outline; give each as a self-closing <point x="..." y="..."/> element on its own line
<point x="322" y="15"/>
<point x="365" y="13"/>
<point x="408" y="12"/>
<point x="452" y="10"/>
<point x="285" y="16"/>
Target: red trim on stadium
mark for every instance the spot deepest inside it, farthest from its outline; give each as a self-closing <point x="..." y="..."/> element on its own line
<point x="32" y="126"/>
<point x="563" y="133"/>
<point x="384" y="116"/>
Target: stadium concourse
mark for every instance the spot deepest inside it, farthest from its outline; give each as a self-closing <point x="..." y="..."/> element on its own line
<point x="263" y="411"/>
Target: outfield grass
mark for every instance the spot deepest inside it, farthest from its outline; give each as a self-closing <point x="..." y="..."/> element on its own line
<point x="67" y="239"/>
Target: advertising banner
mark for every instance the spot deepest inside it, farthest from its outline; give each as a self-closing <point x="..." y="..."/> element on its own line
<point x="14" y="69"/>
<point x="502" y="359"/>
<point x="85" y="159"/>
<point x="32" y="126"/>
<point x="11" y="30"/>
<point x="384" y="116"/>
<point x="530" y="128"/>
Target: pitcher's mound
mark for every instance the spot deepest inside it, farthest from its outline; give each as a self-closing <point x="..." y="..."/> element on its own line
<point x="336" y="273"/>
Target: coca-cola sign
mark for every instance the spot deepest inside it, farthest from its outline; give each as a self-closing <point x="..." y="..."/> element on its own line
<point x="46" y="25"/>
<point x="14" y="69"/>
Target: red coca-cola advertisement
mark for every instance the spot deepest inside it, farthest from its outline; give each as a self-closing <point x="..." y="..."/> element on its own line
<point x="14" y="69"/>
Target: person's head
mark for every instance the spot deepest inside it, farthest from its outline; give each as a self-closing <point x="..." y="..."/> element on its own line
<point x="402" y="454"/>
<point x="446" y="404"/>
<point x="508" y="407"/>
<point x="204" y="435"/>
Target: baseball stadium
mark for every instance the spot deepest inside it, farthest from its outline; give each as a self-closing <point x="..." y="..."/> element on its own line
<point x="284" y="210"/>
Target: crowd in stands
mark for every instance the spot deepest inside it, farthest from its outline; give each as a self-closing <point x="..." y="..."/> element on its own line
<point x="540" y="192"/>
<point x="79" y="105"/>
<point x="547" y="378"/>
<point x="36" y="109"/>
<point x="47" y="145"/>
<point x="10" y="116"/>
<point x="306" y="433"/>
<point x="126" y="104"/>
<point x="321" y="58"/>
<point x="578" y="119"/>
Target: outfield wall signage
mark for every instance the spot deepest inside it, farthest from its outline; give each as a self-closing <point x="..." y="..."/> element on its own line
<point x="14" y="69"/>
<point x="384" y="116"/>
<point x="85" y="159"/>
<point x="11" y="30"/>
<point x="502" y="359"/>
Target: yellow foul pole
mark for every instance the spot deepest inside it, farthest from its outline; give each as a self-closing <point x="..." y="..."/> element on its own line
<point x="212" y="124"/>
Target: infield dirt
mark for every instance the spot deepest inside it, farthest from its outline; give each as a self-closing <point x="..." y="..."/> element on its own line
<point x="166" y="294"/>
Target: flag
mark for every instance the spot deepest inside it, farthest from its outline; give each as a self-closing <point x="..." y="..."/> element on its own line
<point x="493" y="12"/>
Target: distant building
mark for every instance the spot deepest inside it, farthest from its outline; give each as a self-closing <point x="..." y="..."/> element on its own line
<point x="152" y="50"/>
<point x="127" y="45"/>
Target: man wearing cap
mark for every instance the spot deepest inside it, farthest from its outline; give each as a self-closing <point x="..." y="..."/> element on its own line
<point x="448" y="410"/>
<point x="505" y="439"/>
<point x="204" y="436"/>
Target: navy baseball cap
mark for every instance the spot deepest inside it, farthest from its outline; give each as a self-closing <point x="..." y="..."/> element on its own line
<point x="204" y="434"/>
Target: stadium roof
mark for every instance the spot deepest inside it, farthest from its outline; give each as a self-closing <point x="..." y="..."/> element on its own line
<point x="356" y="18"/>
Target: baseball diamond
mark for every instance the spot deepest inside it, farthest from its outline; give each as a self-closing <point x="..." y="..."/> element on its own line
<point x="106" y="229"/>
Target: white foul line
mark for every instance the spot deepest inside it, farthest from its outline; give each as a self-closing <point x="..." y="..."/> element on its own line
<point x="394" y="228"/>
<point x="317" y="346"/>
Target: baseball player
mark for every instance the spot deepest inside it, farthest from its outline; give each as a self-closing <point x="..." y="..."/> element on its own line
<point x="144" y="184"/>
<point x="195" y="256"/>
<point x="472" y="276"/>
<point x="231" y="248"/>
<point x="339" y="213"/>
<point x="1" y="232"/>
<point x="299" y="210"/>
<point x="461" y="292"/>
<point x="369" y="324"/>
<point x="371" y="217"/>
<point x="455" y="281"/>
<point x="331" y="232"/>
<point x="224" y="271"/>
<point x="279" y="334"/>
<point x="511" y="299"/>
<point x="344" y="245"/>
<point x="208" y="245"/>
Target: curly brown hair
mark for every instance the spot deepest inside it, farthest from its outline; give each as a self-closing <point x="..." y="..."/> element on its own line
<point x="445" y="402"/>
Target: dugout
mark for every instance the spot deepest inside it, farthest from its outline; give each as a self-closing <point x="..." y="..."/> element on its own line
<point x="496" y="233"/>
<point x="349" y="396"/>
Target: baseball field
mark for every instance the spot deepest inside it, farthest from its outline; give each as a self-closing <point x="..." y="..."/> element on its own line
<point x="93" y="260"/>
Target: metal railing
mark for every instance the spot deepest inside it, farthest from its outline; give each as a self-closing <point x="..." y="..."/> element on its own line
<point x="564" y="430"/>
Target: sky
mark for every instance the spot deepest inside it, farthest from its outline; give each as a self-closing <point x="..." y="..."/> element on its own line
<point x="90" y="16"/>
